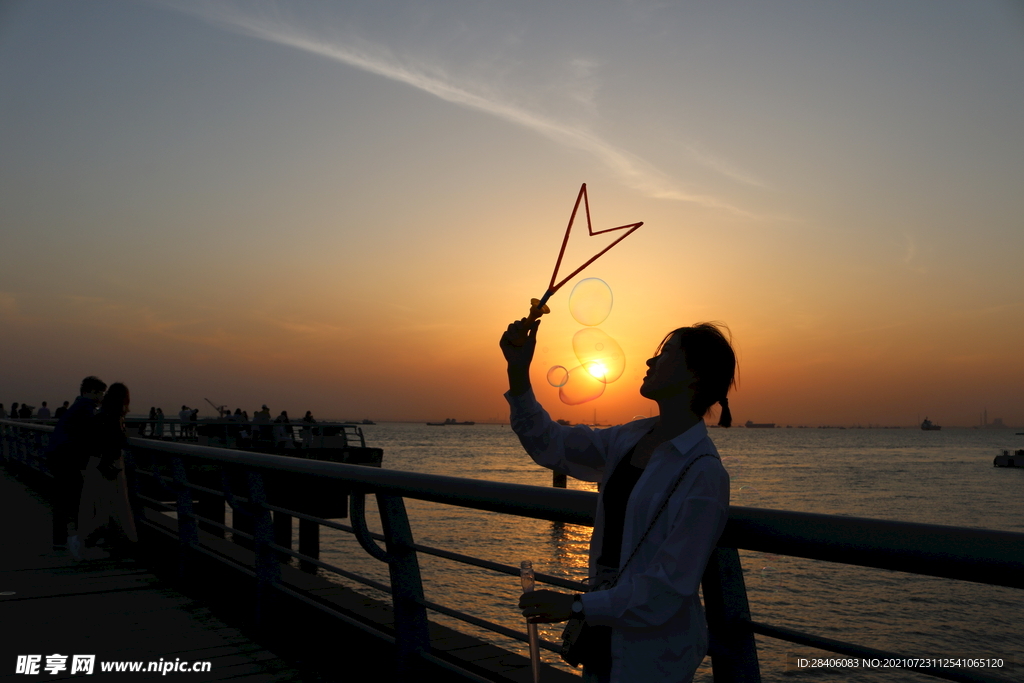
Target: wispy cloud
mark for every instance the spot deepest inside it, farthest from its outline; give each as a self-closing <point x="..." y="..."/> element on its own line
<point x="270" y="25"/>
<point x="724" y="167"/>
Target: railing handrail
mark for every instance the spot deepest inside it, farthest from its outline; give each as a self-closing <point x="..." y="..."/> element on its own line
<point x="979" y="555"/>
<point x="292" y="422"/>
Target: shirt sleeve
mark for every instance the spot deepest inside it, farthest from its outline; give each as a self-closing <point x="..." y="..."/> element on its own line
<point x="580" y="452"/>
<point x="669" y="582"/>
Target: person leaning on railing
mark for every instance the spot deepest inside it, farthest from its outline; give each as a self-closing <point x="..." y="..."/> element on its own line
<point x="67" y="455"/>
<point x="662" y="505"/>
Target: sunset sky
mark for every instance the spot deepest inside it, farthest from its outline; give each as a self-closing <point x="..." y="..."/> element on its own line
<point x="338" y="207"/>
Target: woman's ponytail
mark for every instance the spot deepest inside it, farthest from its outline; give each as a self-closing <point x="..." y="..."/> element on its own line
<point x="725" y="419"/>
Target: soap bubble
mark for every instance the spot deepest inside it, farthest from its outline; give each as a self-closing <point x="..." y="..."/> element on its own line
<point x="593" y="346"/>
<point x="772" y="576"/>
<point x="585" y="383"/>
<point x="590" y="301"/>
<point x="769" y="579"/>
<point x="747" y="495"/>
<point x="558" y="376"/>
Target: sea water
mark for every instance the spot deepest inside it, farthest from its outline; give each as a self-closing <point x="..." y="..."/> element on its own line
<point x="908" y="475"/>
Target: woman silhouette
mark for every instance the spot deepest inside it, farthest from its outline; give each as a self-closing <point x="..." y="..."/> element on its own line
<point x="663" y="503"/>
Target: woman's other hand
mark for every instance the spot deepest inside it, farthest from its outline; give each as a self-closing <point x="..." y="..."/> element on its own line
<point x="518" y="343"/>
<point x="546" y="607"/>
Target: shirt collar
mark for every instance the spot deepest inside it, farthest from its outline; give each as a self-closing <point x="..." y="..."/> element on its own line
<point x="683" y="443"/>
<point x="689" y="439"/>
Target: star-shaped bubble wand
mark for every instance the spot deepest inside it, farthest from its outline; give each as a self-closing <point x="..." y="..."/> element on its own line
<point x="539" y="307"/>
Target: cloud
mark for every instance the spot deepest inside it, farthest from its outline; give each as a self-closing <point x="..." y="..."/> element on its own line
<point x="724" y="167"/>
<point x="270" y="25"/>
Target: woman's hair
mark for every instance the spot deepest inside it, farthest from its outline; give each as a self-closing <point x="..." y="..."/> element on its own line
<point x="115" y="400"/>
<point x="92" y="384"/>
<point x="709" y="356"/>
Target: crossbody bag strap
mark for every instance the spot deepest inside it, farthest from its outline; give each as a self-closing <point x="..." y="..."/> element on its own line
<point x="664" y="505"/>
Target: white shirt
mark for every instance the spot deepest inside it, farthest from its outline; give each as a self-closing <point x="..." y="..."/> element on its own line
<point x="659" y="633"/>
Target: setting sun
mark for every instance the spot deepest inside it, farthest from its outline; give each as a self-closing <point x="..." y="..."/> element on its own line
<point x="598" y="370"/>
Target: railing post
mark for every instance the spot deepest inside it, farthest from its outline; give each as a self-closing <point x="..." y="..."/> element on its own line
<point x="188" y="532"/>
<point x="268" y="570"/>
<point x="309" y="544"/>
<point x="212" y="507"/>
<point x="132" y="476"/>
<point x="22" y="447"/>
<point x="40" y="448"/>
<point x="732" y="648"/>
<point x="411" y="635"/>
<point x="241" y="514"/>
<point x="283" y="533"/>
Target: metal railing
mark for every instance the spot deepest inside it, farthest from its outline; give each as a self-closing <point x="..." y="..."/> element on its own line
<point x="230" y="433"/>
<point x="983" y="556"/>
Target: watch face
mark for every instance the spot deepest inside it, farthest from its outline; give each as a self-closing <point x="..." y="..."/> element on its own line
<point x="577" y="606"/>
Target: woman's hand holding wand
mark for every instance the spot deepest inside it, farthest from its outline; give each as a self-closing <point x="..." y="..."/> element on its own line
<point x="518" y="343"/>
<point x="546" y="607"/>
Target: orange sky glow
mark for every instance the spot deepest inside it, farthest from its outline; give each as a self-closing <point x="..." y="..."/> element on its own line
<point x="337" y="213"/>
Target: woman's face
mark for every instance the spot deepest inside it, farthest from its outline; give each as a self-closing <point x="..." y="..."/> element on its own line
<point x="667" y="375"/>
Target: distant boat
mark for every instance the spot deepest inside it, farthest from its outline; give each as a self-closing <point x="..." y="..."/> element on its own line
<point x="759" y="425"/>
<point x="564" y="423"/>
<point x="449" y="421"/>
<point x="1016" y="459"/>
<point x="929" y="427"/>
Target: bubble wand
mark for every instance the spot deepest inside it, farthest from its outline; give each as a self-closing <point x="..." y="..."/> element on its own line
<point x="538" y="307"/>
<point x="528" y="582"/>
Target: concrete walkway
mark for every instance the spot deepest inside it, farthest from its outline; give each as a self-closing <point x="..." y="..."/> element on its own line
<point x="115" y="609"/>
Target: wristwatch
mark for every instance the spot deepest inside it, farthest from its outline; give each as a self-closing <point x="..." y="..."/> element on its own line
<point x="577" y="606"/>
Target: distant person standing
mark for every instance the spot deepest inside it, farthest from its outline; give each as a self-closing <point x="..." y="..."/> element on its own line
<point x="67" y="455"/>
<point x="307" y="432"/>
<point x="242" y="432"/>
<point x="104" y="492"/>
<point x="159" y="423"/>
<point x="59" y="413"/>
<point x="184" y="414"/>
<point x="43" y="413"/>
<point x="283" y="435"/>
<point x="25" y="411"/>
<point x="14" y="410"/>
<point x="261" y="425"/>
